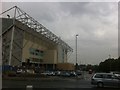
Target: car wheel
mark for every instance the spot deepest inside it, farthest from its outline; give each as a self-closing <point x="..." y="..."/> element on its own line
<point x="100" y="84"/>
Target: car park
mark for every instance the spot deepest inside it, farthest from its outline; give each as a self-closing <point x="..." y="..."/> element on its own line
<point x="65" y="74"/>
<point x="48" y="73"/>
<point x="116" y="73"/>
<point x="105" y="79"/>
<point x="51" y="73"/>
<point x="90" y="71"/>
<point x="57" y="73"/>
<point x="30" y="71"/>
<point x="78" y="73"/>
<point x="20" y="71"/>
<point x="73" y="74"/>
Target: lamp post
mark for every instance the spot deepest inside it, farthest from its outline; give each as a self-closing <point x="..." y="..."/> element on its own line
<point x="76" y="51"/>
<point x="110" y="61"/>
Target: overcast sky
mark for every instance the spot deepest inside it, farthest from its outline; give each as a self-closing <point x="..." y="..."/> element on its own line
<point x="96" y="23"/>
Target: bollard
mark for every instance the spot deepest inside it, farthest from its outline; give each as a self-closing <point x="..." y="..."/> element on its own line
<point x="29" y="87"/>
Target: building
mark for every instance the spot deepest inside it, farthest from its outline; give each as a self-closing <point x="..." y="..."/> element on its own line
<point x="26" y="41"/>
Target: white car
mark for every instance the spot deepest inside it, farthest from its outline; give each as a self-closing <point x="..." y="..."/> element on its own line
<point x="20" y="71"/>
<point x="105" y="79"/>
<point x="30" y="71"/>
<point x="116" y="73"/>
<point x="48" y="73"/>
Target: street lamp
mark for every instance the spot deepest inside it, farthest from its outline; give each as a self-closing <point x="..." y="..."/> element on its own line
<point x="110" y="61"/>
<point x="76" y="51"/>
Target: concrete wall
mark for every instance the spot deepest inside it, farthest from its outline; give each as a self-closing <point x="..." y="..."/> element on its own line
<point x="32" y="42"/>
<point x="6" y="39"/>
<point x="25" y="40"/>
<point x="17" y="47"/>
<point x="50" y="57"/>
<point x="65" y="66"/>
<point x="7" y="29"/>
<point x="35" y="41"/>
<point x="6" y="23"/>
<point x="62" y="55"/>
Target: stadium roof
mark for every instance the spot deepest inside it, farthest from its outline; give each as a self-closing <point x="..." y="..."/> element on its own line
<point x="26" y="19"/>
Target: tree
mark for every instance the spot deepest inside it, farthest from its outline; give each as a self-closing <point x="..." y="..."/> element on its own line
<point x="110" y="64"/>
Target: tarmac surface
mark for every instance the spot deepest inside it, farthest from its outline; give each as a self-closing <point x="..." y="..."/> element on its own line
<point x="60" y="83"/>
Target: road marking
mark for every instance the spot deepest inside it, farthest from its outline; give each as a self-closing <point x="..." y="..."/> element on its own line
<point x="29" y="87"/>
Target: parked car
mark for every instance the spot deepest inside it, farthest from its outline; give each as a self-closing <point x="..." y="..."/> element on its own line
<point x="45" y="73"/>
<point x="48" y="73"/>
<point x="73" y="74"/>
<point x="30" y="71"/>
<point x="79" y="72"/>
<point x="116" y="73"/>
<point x="90" y="71"/>
<point x="105" y="79"/>
<point x="51" y="73"/>
<point x="57" y="73"/>
<point x="65" y="74"/>
<point x="20" y="71"/>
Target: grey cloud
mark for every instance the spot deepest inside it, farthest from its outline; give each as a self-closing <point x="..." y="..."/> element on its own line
<point x="74" y="7"/>
<point x="95" y="22"/>
<point x="39" y="10"/>
<point x="90" y="8"/>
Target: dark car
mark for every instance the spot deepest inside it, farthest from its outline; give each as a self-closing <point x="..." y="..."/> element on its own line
<point x="90" y="71"/>
<point x="73" y="74"/>
<point x="65" y="74"/>
<point x="105" y="79"/>
<point x="79" y="73"/>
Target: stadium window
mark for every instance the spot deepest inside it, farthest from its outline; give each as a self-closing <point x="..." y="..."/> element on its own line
<point x="4" y="39"/>
<point x="41" y="51"/>
<point x="7" y="46"/>
<point x="36" y="53"/>
<point x="37" y="50"/>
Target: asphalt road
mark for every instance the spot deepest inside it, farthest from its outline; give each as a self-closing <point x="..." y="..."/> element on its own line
<point x="47" y="84"/>
<point x="59" y="84"/>
<point x="54" y="84"/>
<point x="50" y="82"/>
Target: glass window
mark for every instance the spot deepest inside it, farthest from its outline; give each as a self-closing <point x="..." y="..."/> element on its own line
<point x="115" y="77"/>
<point x="98" y="76"/>
<point x="41" y="51"/>
<point x="36" y="53"/>
<point x="37" y="50"/>
<point x="109" y="76"/>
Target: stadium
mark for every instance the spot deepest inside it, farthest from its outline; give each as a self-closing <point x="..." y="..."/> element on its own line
<point x="27" y="42"/>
